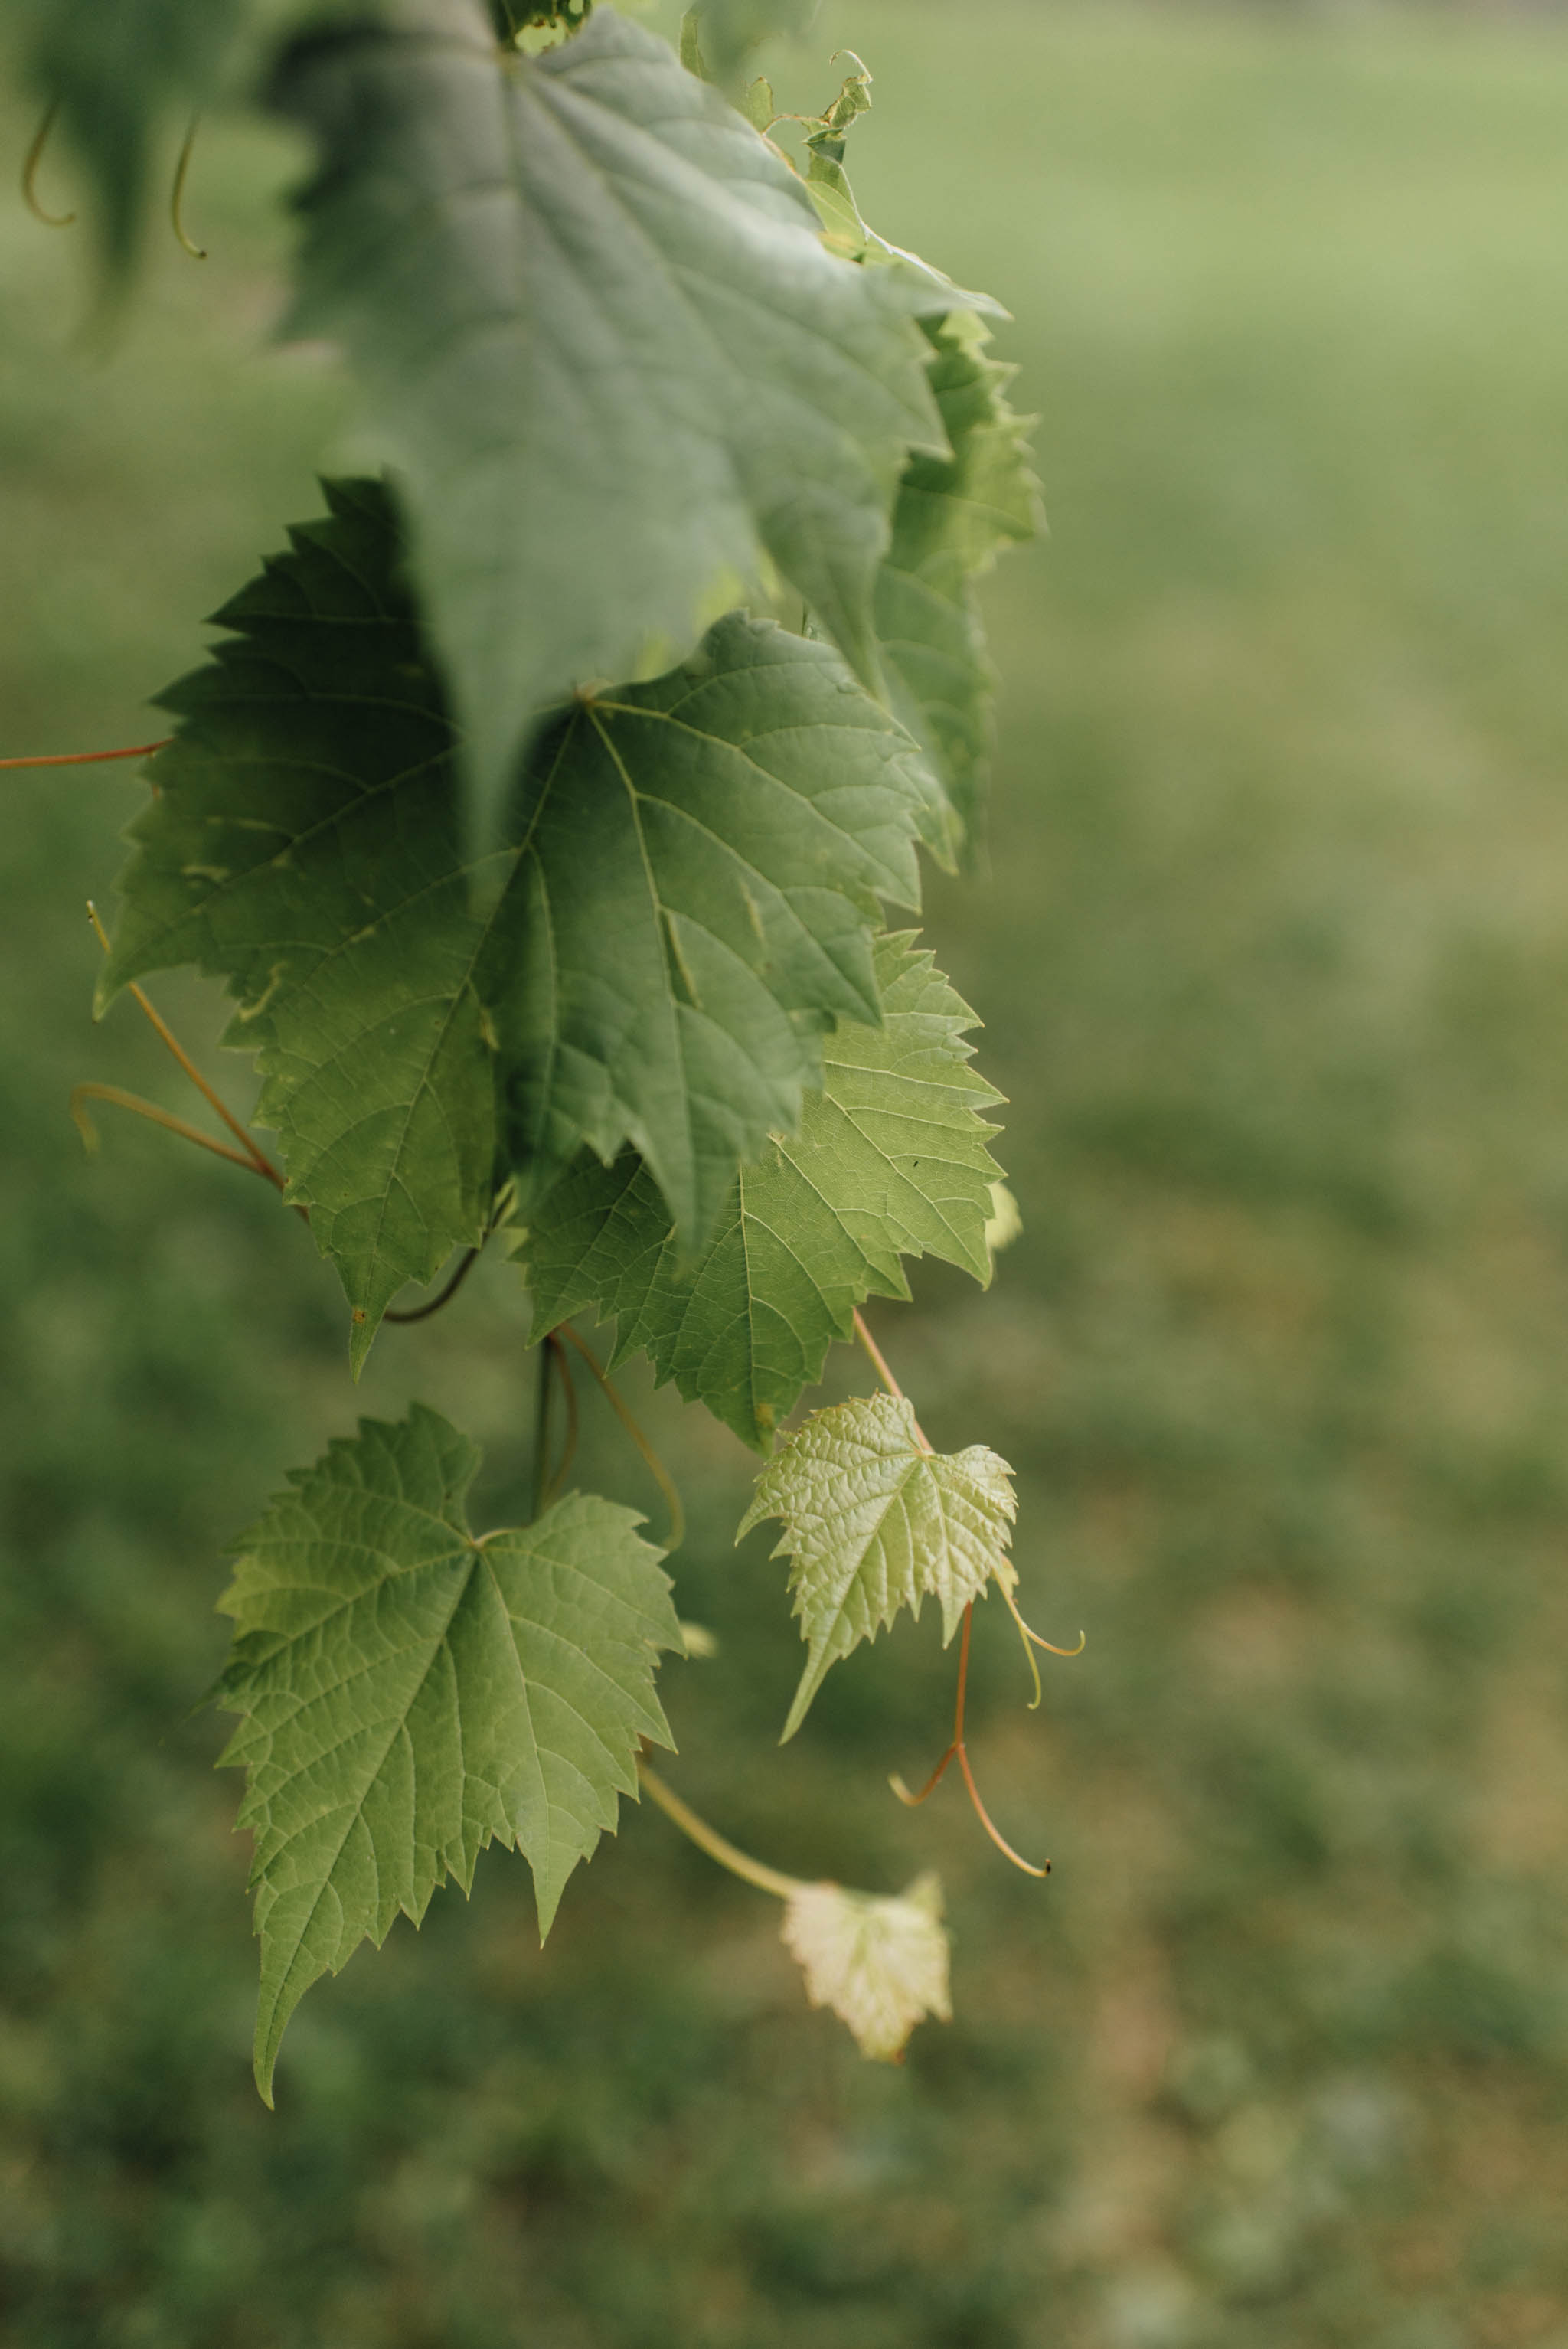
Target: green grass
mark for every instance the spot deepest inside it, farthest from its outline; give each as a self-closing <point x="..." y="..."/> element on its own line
<point x="1272" y="955"/>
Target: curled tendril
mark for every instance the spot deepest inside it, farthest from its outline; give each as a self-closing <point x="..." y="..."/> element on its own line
<point x="30" y="171"/>
<point x="177" y="196"/>
<point x="1032" y="1640"/>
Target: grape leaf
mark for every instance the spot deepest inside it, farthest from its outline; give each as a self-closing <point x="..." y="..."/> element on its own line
<point x="410" y="1694"/>
<point x="873" y="1522"/>
<point x="890" y="1160"/>
<point x="602" y="345"/>
<point x="687" y="901"/>
<point x="115" y="73"/>
<point x="952" y="516"/>
<point x="880" y="1964"/>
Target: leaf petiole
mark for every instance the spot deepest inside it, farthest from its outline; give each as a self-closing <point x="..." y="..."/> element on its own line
<point x="255" y="1156"/>
<point x="660" y="1474"/>
<point x="717" y="1847"/>
<point x="88" y="758"/>
<point x="121" y="1099"/>
<point x="568" y="1389"/>
<point x="879" y="1363"/>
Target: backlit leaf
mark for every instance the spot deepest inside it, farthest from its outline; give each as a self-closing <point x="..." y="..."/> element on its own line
<point x="882" y="1964"/>
<point x="873" y="1522"/>
<point x="410" y="1695"/>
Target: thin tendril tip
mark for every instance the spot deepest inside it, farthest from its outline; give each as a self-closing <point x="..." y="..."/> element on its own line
<point x="177" y="197"/>
<point x="30" y="171"/>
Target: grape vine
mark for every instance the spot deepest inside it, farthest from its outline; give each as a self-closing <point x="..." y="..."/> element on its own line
<point x="549" y="808"/>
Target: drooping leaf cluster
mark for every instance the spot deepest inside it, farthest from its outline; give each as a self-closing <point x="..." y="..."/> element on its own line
<point x="684" y="900"/>
<point x="550" y="887"/>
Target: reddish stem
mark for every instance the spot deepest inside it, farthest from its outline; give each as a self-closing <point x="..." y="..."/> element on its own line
<point x="91" y="758"/>
<point x="959" y="1748"/>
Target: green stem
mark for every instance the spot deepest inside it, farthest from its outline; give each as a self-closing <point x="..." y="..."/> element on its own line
<point x="541" y="1430"/>
<point x="879" y="1364"/>
<point x="709" y="1839"/>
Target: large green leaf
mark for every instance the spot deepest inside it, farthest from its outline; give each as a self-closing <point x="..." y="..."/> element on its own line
<point x="874" y="1521"/>
<point x="411" y="1694"/>
<point x="953" y="515"/>
<point x="603" y="346"/>
<point x="890" y="1160"/>
<point x="118" y="70"/>
<point x="685" y="901"/>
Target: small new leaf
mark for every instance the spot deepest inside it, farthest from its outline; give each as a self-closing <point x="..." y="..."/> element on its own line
<point x="880" y="1964"/>
<point x="411" y="1694"/>
<point x="684" y="902"/>
<point x="890" y="1160"/>
<point x="873" y="1522"/>
<point x="603" y="344"/>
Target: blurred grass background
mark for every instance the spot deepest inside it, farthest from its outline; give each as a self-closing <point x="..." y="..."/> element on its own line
<point x="1274" y="958"/>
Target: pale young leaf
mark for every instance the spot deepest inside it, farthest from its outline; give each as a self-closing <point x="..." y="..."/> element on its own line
<point x="1005" y="1223"/>
<point x="873" y="1522"/>
<point x="882" y="1964"/>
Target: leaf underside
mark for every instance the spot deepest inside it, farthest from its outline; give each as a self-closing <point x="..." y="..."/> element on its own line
<point x="410" y="1695"/>
<point x="602" y="343"/>
<point x="872" y="1522"/>
<point x="890" y="1160"/>
<point x="880" y="1964"/>
<point x="686" y="902"/>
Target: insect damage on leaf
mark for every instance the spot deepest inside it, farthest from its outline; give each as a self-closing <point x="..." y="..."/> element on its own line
<point x="890" y="1160"/>
<point x="882" y="1964"/>
<point x="684" y="902"/>
<point x="874" y="1522"/>
<point x="410" y="1694"/>
<point x="717" y="36"/>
